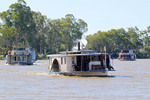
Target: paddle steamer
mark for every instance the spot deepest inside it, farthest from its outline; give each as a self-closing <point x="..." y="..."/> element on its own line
<point x="21" y="55"/>
<point x="80" y="63"/>
<point x="127" y="55"/>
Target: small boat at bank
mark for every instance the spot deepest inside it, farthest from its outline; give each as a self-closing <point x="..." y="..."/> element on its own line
<point x="80" y="63"/>
<point x="21" y="55"/>
<point x="127" y="55"/>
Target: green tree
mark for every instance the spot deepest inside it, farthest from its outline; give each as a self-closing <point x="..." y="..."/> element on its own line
<point x="54" y="37"/>
<point x="134" y="37"/>
<point x="115" y="40"/>
<point x="145" y="36"/>
<point x="19" y="16"/>
<point x="73" y="29"/>
<point x="7" y="37"/>
<point x="98" y="41"/>
<point x="41" y="28"/>
<point x="62" y="33"/>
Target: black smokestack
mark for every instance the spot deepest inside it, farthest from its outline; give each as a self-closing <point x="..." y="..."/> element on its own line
<point x="78" y="46"/>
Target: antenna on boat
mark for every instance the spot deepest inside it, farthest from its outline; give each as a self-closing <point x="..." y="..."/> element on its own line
<point x="105" y="57"/>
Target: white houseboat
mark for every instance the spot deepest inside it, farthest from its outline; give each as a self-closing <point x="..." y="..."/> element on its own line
<point x="80" y="63"/>
<point x="127" y="55"/>
<point x="21" y="55"/>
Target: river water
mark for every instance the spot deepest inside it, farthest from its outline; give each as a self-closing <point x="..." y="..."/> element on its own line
<point x="130" y="81"/>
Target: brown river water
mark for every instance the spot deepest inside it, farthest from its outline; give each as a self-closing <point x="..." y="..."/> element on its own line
<point x="130" y="81"/>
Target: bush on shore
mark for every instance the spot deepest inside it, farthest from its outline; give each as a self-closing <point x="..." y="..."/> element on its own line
<point x="42" y="57"/>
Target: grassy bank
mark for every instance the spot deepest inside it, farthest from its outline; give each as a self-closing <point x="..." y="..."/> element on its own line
<point x="42" y="57"/>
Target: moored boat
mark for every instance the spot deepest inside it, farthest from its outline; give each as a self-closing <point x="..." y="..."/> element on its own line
<point x="127" y="55"/>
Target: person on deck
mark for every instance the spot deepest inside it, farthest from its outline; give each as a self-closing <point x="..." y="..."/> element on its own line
<point x="108" y="63"/>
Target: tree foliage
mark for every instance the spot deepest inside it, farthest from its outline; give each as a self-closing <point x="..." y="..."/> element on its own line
<point x="117" y="39"/>
<point x="19" y="16"/>
<point x="21" y="25"/>
<point x="62" y="33"/>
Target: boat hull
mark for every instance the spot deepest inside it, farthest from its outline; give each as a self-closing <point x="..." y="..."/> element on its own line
<point x="83" y="73"/>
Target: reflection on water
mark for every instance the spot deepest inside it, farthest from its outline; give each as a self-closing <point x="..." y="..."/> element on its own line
<point x="130" y="81"/>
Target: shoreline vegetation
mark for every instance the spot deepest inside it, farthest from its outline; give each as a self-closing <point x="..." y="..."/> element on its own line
<point x="20" y="25"/>
<point x="42" y="57"/>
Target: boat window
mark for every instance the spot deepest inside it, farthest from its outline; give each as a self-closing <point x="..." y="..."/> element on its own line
<point x="61" y="60"/>
<point x="25" y="58"/>
<point x="18" y="58"/>
<point x="65" y="60"/>
<point x="93" y="58"/>
<point x="72" y="60"/>
<point x="15" y="58"/>
<point x="22" y="58"/>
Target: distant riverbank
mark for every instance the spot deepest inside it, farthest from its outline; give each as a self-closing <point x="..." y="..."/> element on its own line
<point x="38" y="57"/>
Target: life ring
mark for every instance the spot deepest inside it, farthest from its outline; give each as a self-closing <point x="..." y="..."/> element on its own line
<point x="49" y="68"/>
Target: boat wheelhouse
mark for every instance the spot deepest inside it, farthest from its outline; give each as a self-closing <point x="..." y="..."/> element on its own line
<point x="21" y="55"/>
<point x="80" y="63"/>
<point x="127" y="55"/>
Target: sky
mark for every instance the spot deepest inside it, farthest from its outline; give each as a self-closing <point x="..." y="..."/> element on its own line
<point x="100" y="15"/>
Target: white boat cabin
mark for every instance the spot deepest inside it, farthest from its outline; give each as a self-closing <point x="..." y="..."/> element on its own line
<point x="80" y="61"/>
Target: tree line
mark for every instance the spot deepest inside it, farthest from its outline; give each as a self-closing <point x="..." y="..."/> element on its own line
<point x="117" y="39"/>
<point x="20" y="25"/>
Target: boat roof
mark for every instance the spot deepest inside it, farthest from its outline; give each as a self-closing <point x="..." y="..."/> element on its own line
<point x="78" y="52"/>
<point x="126" y="54"/>
<point x="71" y="55"/>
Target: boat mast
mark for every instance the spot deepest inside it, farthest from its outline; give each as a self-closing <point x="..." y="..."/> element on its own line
<point x="105" y="57"/>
